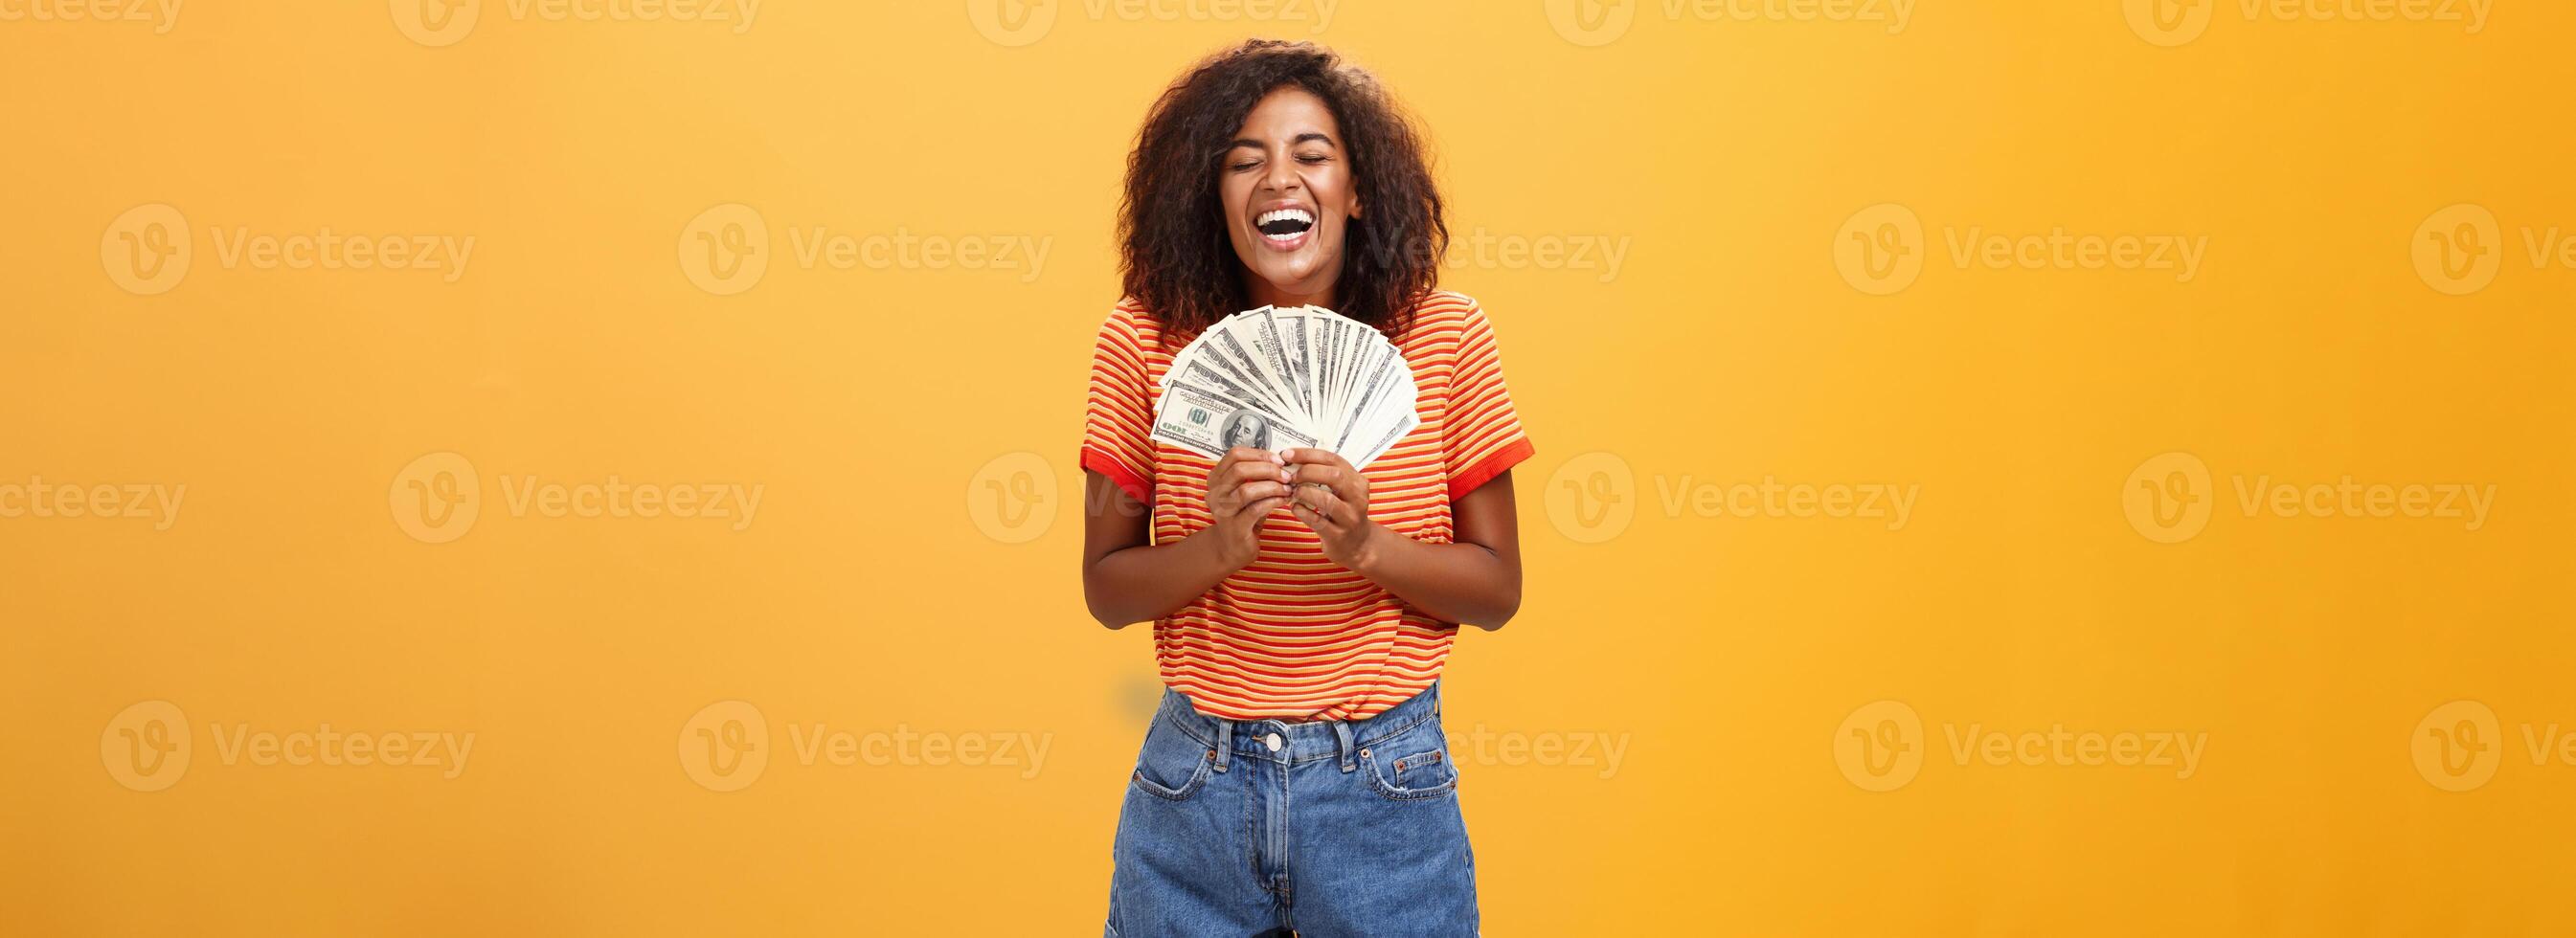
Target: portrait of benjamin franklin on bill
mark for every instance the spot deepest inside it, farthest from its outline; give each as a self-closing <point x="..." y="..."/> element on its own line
<point x="1246" y="427"/>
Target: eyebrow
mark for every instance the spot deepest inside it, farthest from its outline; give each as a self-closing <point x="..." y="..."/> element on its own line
<point x="1325" y="139"/>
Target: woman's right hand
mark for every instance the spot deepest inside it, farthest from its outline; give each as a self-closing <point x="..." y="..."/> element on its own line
<point x="1244" y="488"/>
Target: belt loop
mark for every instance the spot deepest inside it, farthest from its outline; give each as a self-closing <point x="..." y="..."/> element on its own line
<point x="1342" y="735"/>
<point x="1224" y="742"/>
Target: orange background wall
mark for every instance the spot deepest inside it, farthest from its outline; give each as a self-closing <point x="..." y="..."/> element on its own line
<point x="1995" y="260"/>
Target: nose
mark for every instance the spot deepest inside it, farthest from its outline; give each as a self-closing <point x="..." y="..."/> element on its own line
<point x="1281" y="176"/>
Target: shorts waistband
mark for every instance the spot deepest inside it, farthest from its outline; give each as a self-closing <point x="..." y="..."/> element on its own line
<point x="1292" y="741"/>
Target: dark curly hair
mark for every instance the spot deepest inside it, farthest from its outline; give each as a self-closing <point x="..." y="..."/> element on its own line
<point x="1176" y="259"/>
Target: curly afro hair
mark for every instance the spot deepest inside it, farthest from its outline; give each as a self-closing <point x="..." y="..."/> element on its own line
<point x="1175" y="257"/>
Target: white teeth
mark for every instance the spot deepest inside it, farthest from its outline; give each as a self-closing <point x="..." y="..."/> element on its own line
<point x="1282" y="213"/>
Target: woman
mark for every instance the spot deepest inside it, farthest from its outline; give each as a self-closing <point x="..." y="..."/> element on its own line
<point x="1296" y="775"/>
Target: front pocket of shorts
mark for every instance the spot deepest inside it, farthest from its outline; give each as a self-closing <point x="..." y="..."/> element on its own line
<point x="1172" y="766"/>
<point x="1426" y="774"/>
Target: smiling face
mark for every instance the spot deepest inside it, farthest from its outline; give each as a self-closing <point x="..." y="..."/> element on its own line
<point x="1288" y="198"/>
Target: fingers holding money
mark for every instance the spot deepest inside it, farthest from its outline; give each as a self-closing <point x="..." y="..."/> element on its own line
<point x="1328" y="486"/>
<point x="1319" y="507"/>
<point x="1246" y="478"/>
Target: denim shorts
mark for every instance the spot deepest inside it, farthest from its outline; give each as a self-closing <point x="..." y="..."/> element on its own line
<point x="1241" y="827"/>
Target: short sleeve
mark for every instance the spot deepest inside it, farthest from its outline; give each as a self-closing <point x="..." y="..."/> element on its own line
<point x="1481" y="434"/>
<point x="1117" y="424"/>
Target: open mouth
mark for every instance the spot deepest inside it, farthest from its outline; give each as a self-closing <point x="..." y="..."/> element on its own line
<point x="1284" y="224"/>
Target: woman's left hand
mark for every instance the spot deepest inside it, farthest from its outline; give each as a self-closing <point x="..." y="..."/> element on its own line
<point x="1332" y="498"/>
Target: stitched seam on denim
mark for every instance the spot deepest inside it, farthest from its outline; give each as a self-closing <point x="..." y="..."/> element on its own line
<point x="1187" y="730"/>
<point x="1197" y="780"/>
<point x="1419" y="761"/>
<point x="1394" y="792"/>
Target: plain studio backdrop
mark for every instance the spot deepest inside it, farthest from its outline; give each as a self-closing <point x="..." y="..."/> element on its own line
<point x="2003" y="468"/>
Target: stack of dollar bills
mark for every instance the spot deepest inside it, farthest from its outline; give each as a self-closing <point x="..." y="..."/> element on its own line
<point x="1279" y="378"/>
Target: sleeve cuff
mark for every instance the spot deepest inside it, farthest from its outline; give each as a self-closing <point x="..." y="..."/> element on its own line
<point x="1128" y="481"/>
<point x="1484" y="470"/>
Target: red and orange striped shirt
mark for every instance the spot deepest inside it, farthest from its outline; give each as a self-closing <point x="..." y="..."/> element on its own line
<point x="1294" y="635"/>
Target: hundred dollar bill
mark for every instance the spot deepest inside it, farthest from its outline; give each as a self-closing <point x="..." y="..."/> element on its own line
<point x="1199" y="358"/>
<point x="1231" y="350"/>
<point x="1292" y="339"/>
<point x="1208" y="422"/>
<point x="1199" y="370"/>
<point x="1272" y="349"/>
<point x="1374" y="386"/>
<point x="1329" y="340"/>
<point x="1394" y="433"/>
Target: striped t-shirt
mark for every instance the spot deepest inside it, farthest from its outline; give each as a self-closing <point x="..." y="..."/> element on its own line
<point x="1294" y="635"/>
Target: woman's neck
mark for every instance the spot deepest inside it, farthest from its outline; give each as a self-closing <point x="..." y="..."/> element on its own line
<point x="1263" y="293"/>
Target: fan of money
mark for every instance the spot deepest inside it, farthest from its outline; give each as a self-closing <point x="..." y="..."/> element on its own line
<point x="1276" y="378"/>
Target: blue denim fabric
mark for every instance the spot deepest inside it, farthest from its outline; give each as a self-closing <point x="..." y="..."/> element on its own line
<point x="1340" y="828"/>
